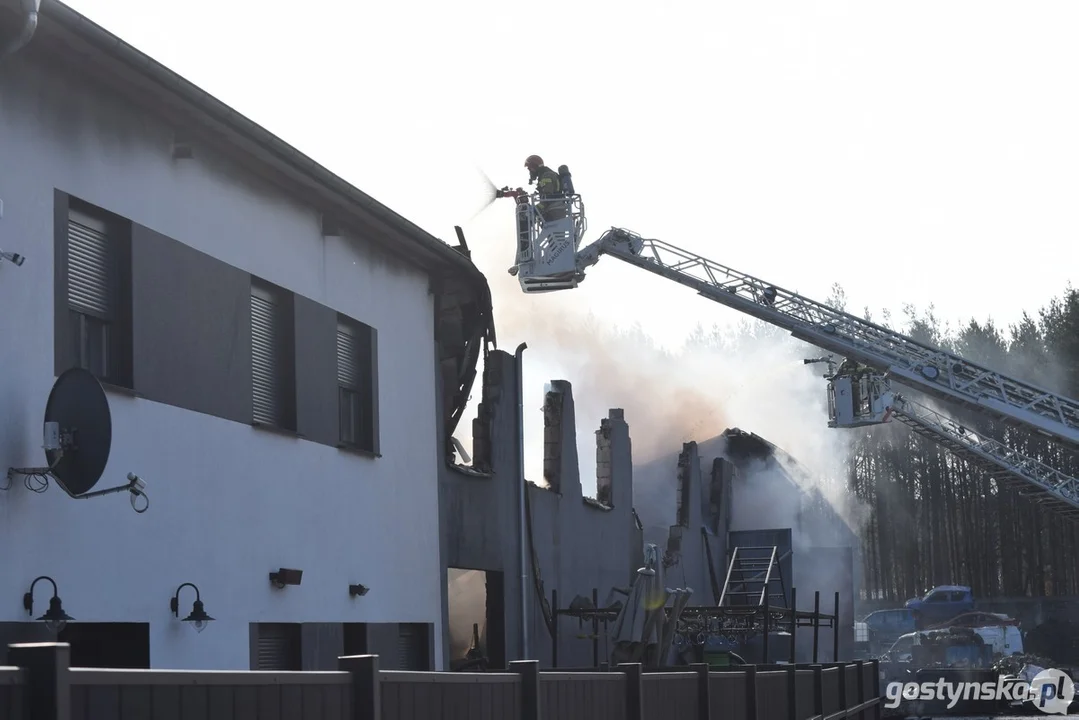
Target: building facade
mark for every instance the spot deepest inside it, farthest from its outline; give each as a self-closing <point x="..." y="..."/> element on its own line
<point x="282" y="357"/>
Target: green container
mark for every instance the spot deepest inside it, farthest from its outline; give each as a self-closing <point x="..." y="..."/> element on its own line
<point x="718" y="659"/>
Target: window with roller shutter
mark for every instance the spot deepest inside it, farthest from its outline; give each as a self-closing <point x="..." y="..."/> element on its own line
<point x="412" y="646"/>
<point x="265" y="368"/>
<point x="95" y="297"/>
<point x="355" y="383"/>
<point x="277" y="647"/>
<point x="272" y="402"/>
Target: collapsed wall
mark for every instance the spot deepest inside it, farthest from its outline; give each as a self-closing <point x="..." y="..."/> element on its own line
<point x="573" y="544"/>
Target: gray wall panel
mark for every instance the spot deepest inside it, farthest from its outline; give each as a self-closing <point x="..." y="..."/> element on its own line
<point x="192" y="328"/>
<point x="382" y="640"/>
<point x="316" y="371"/>
<point x="322" y="644"/>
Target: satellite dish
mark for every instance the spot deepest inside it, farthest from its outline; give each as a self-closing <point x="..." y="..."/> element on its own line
<point x="79" y="409"/>
<point x="78" y="438"/>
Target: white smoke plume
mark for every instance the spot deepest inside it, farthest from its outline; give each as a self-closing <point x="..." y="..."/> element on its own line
<point x="753" y="378"/>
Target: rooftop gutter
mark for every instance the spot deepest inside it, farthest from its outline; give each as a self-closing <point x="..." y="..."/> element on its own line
<point x="426" y="243"/>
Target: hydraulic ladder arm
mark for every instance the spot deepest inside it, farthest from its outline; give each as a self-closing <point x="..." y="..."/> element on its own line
<point x="1029" y="477"/>
<point x="894" y="356"/>
<point x="923" y="367"/>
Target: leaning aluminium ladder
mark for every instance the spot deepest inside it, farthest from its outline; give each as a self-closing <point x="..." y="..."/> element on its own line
<point x="754" y="578"/>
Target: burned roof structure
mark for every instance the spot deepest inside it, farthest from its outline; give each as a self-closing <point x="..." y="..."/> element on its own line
<point x="790" y="495"/>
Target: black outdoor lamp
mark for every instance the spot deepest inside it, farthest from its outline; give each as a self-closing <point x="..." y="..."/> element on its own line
<point x="198" y="617"/>
<point x="55" y="618"/>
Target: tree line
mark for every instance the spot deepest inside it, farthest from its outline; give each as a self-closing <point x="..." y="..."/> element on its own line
<point x="935" y="519"/>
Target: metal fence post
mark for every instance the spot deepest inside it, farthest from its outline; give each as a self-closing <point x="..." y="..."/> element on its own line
<point x="704" y="702"/>
<point x="751" y="691"/>
<point x="792" y="692"/>
<point x="861" y="687"/>
<point x="875" y="664"/>
<point x="530" y="691"/>
<point x="816" y="625"/>
<point x="843" y="704"/>
<point x="48" y="684"/>
<point x="366" y="697"/>
<point x="818" y="690"/>
<point x="554" y="627"/>
<point x="634" y="690"/>
<point x="794" y="623"/>
<point x="835" y="630"/>
<point x="595" y="627"/>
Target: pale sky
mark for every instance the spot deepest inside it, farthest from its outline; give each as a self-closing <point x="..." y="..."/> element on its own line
<point x="924" y="152"/>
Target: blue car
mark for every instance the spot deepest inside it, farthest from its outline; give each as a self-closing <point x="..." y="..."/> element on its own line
<point x="941" y="604"/>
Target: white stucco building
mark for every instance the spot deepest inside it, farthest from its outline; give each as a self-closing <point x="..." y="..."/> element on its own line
<point x="224" y="268"/>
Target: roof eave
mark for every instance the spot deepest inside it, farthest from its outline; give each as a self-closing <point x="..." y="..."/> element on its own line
<point x="431" y="253"/>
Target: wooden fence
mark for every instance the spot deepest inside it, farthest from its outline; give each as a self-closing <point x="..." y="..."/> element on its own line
<point x="40" y="685"/>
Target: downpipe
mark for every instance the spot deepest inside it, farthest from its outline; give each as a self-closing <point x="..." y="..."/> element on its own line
<point x="525" y="635"/>
<point x="30" y="8"/>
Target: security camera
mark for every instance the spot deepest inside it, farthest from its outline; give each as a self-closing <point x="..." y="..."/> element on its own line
<point x="13" y="257"/>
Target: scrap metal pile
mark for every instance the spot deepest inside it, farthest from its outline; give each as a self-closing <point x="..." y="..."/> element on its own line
<point x="951" y="647"/>
<point x="1016" y="664"/>
<point x="696" y="625"/>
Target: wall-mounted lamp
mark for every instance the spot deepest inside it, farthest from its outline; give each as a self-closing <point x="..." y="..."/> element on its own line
<point x="198" y="617"/>
<point x="286" y="576"/>
<point x="55" y="618"/>
<point x="361" y="590"/>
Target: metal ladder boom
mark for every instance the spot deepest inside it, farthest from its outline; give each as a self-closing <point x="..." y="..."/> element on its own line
<point x="921" y="366"/>
<point x="1029" y="477"/>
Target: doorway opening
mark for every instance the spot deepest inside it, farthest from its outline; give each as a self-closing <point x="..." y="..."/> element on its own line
<point x="476" y="620"/>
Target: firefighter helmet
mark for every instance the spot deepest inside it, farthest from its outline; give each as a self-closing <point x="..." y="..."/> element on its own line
<point x="533" y="161"/>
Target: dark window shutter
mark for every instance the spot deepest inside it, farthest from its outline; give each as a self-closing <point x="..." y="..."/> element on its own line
<point x="411" y="647"/>
<point x="278" y="647"/>
<point x="348" y="357"/>
<point x="90" y="267"/>
<point x="349" y="384"/>
<point x="265" y="368"/>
